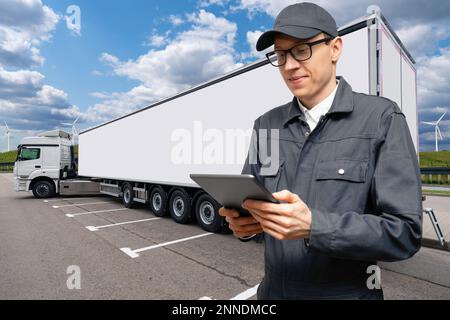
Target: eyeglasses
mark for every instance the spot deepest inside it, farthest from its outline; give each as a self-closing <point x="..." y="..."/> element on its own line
<point x="299" y="52"/>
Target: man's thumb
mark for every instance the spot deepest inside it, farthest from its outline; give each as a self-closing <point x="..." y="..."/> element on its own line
<point x="286" y="196"/>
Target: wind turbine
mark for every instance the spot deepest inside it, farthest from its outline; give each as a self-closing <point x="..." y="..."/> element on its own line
<point x="8" y="134"/>
<point x="74" y="129"/>
<point x="436" y="129"/>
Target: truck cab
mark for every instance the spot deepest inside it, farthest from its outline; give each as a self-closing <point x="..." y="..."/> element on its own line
<point x="43" y="161"/>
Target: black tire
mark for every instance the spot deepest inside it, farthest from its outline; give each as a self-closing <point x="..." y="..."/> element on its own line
<point x="207" y="214"/>
<point x="44" y="189"/>
<point x="180" y="206"/>
<point x="158" y="202"/>
<point x="128" y="195"/>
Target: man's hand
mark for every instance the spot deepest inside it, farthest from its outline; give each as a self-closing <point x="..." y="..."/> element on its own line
<point x="285" y="221"/>
<point x="241" y="226"/>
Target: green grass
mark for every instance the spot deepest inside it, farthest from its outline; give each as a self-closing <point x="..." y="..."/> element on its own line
<point x="435" y="159"/>
<point x="12" y="155"/>
<point x="435" y="193"/>
<point x="8" y="156"/>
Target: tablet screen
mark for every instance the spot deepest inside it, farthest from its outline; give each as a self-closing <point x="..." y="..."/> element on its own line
<point x="232" y="190"/>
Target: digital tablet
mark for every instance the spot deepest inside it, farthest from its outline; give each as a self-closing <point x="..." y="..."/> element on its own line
<point x="232" y="190"/>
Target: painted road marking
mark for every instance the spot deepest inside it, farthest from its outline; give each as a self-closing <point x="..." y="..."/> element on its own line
<point x="79" y="204"/>
<point x="135" y="253"/>
<point x="92" y="228"/>
<point x="246" y="294"/>
<point x="71" y="215"/>
<point x="67" y="199"/>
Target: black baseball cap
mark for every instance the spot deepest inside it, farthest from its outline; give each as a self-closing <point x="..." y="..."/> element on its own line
<point x="301" y="20"/>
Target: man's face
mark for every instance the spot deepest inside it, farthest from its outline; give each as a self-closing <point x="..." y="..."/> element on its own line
<point x="314" y="79"/>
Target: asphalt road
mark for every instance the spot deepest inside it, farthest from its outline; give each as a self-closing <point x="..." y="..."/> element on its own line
<point x="40" y="244"/>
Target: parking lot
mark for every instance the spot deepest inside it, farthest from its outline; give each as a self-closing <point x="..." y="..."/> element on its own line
<point x="132" y="254"/>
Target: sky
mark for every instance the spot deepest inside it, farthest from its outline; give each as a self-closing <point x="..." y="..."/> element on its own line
<point x="98" y="60"/>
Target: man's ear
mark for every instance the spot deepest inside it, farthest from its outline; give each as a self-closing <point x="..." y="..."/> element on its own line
<point x="336" y="49"/>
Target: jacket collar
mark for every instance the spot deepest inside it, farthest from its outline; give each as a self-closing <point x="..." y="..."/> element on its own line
<point x="343" y="103"/>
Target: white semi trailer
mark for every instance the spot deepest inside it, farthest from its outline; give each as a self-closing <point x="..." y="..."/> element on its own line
<point x="147" y="156"/>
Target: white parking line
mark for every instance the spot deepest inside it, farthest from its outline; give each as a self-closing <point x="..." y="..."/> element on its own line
<point x="67" y="199"/>
<point x="79" y="204"/>
<point x="92" y="228"/>
<point x="246" y="294"/>
<point x="71" y="215"/>
<point x="134" y="253"/>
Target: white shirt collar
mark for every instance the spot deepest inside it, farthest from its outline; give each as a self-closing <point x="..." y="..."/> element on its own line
<point x="315" y="113"/>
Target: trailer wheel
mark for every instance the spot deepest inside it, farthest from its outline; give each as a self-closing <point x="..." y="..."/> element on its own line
<point x="43" y="189"/>
<point x="180" y="206"/>
<point x="158" y="201"/>
<point x="127" y="195"/>
<point x="207" y="214"/>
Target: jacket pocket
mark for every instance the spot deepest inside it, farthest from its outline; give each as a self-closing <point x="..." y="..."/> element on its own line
<point x="339" y="185"/>
<point x="272" y="180"/>
<point x="347" y="170"/>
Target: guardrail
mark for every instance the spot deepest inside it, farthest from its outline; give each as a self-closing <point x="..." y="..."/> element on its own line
<point x="6" y="166"/>
<point x="435" y="175"/>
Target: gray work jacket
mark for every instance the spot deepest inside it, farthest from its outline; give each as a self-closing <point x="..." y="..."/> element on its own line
<point x="358" y="173"/>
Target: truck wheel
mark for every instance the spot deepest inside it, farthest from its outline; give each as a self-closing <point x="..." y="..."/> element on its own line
<point x="43" y="189"/>
<point x="207" y="214"/>
<point x="127" y="195"/>
<point x="158" y="202"/>
<point x="180" y="206"/>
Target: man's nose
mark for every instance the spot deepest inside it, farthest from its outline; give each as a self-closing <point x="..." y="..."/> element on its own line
<point x="291" y="63"/>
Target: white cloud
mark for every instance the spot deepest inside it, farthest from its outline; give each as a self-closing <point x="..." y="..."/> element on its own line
<point x="117" y="104"/>
<point x="26" y="103"/>
<point x="434" y="80"/>
<point x="22" y="82"/>
<point x="50" y="96"/>
<point x="433" y="77"/>
<point x="208" y="3"/>
<point x="252" y="38"/>
<point x="108" y="58"/>
<point x="176" y="20"/>
<point x="423" y="39"/>
<point x="411" y="11"/>
<point x="24" y="24"/>
<point x="157" y="40"/>
<point x="271" y="7"/>
<point x="191" y="57"/>
<point x="100" y="95"/>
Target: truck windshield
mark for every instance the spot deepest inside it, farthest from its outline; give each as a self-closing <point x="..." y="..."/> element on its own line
<point x="29" y="154"/>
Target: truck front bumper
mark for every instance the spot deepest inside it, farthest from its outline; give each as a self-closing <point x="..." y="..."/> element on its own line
<point x="21" y="184"/>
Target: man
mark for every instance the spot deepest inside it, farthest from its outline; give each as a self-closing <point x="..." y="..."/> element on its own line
<point x="348" y="172"/>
